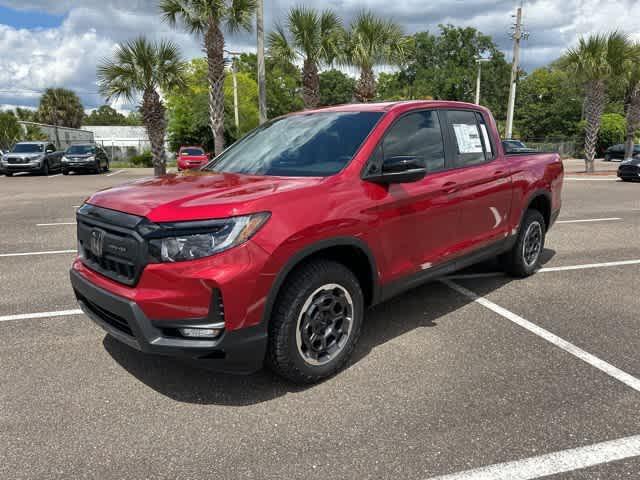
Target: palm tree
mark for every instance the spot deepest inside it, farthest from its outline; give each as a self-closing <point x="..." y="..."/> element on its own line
<point x="312" y="37"/>
<point x="61" y="108"/>
<point x="373" y="41"/>
<point x="632" y="102"/>
<point x="205" y="18"/>
<point x="144" y="67"/>
<point x="597" y="58"/>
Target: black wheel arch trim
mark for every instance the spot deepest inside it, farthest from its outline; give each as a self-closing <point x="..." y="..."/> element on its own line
<point x="309" y="251"/>
<point x="541" y="192"/>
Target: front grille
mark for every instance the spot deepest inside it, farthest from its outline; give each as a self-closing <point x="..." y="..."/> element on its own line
<point x="629" y="168"/>
<point x="122" y="252"/>
<point x="111" y="318"/>
<point x="15" y="160"/>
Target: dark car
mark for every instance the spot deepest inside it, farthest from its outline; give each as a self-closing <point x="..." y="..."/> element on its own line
<point x="37" y="157"/>
<point x="616" y="152"/>
<point x="516" y="146"/>
<point x="87" y="157"/>
<point x="629" y="170"/>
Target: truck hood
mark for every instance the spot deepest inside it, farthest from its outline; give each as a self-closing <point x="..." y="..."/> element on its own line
<point x="198" y="195"/>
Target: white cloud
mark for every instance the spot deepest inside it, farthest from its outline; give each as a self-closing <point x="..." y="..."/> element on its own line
<point x="67" y="56"/>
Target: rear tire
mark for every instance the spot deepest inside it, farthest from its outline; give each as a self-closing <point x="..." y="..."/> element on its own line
<point x="524" y="257"/>
<point x="316" y="322"/>
<point x="9" y="174"/>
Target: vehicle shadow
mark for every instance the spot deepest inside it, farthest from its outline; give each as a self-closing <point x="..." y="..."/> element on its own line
<point x="187" y="381"/>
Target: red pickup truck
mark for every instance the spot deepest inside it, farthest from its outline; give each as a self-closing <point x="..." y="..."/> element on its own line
<point x="274" y="250"/>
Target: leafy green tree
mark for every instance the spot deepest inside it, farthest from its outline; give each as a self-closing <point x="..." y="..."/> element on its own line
<point x="10" y="131"/>
<point x="309" y="36"/>
<point x="206" y="18"/>
<point x="60" y="107"/>
<point x="336" y="88"/>
<point x="26" y="114"/>
<point x="148" y="68"/>
<point x="595" y="60"/>
<point x="632" y="103"/>
<point x="106" y="115"/>
<point x="613" y="128"/>
<point x="443" y="67"/>
<point x="393" y="87"/>
<point x="373" y="41"/>
<point x="188" y="112"/>
<point x="284" y="83"/>
<point x="549" y="104"/>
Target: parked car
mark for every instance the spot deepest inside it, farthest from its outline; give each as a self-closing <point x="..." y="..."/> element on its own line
<point x="38" y="157"/>
<point x="85" y="157"/>
<point x="192" y="158"/>
<point x="516" y="146"/>
<point x="274" y="250"/>
<point x="629" y="170"/>
<point x="616" y="152"/>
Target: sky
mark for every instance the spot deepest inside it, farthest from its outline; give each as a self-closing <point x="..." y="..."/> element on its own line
<point x="58" y="43"/>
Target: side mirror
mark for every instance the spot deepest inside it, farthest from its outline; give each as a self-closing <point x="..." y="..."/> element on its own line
<point x="400" y="169"/>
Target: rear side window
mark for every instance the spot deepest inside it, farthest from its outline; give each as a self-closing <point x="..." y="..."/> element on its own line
<point x="467" y="138"/>
<point x="417" y="134"/>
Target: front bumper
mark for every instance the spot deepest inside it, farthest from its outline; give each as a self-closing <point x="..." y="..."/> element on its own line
<point x="238" y="351"/>
<point x="75" y="166"/>
<point x="631" y="172"/>
<point x="22" y="167"/>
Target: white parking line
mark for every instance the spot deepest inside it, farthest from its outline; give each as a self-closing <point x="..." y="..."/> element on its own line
<point x="568" y="347"/>
<point x="588" y="220"/>
<point x="56" y="175"/>
<point x="471" y="276"/>
<point x="54" y="224"/>
<point x="114" y="173"/>
<point x="27" y="316"/>
<point x="26" y="254"/>
<point x="608" y="178"/>
<point x="553" y="463"/>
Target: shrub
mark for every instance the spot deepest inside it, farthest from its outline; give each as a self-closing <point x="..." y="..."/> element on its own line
<point x="613" y="128"/>
<point x="143" y="159"/>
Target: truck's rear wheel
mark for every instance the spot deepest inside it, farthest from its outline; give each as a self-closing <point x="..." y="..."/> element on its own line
<point x="316" y="322"/>
<point x="524" y="257"/>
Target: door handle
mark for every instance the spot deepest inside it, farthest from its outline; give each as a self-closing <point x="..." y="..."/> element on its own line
<point x="450" y="187"/>
<point x="498" y="173"/>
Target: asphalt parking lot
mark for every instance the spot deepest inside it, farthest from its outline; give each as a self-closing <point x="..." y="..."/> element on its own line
<point x="479" y="377"/>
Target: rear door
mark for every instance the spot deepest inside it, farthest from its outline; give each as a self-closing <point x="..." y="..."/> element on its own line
<point x="416" y="221"/>
<point x="483" y="180"/>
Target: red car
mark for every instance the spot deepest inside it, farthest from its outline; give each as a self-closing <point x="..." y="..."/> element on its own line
<point x="192" y="158"/>
<point x="275" y="250"/>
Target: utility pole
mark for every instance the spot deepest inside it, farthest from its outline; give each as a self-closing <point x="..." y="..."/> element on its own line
<point x="262" y="86"/>
<point x="479" y="61"/>
<point x="517" y="35"/>
<point x="234" y="55"/>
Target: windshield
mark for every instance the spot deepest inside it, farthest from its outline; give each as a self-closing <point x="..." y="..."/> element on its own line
<point x="80" y="149"/>
<point x="192" y="152"/>
<point x="28" y="148"/>
<point x="303" y="145"/>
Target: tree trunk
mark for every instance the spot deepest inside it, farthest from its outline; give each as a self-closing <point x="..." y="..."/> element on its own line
<point x="153" y="117"/>
<point x="214" y="48"/>
<point x="633" y="120"/>
<point x="366" y="87"/>
<point x="595" y="103"/>
<point x="310" y="85"/>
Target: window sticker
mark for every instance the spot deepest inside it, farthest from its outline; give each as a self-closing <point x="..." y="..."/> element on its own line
<point x="485" y="134"/>
<point x="468" y="138"/>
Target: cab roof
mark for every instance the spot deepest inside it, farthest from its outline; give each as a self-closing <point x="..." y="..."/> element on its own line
<point x="399" y="105"/>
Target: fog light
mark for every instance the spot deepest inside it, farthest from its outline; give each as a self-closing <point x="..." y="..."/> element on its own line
<point x="200" y="332"/>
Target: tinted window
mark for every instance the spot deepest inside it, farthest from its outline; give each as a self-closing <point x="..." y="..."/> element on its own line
<point x="417" y="134"/>
<point x="302" y="145"/>
<point x="466" y="138"/>
<point x="81" y="150"/>
<point x="192" y="152"/>
<point x="28" y="148"/>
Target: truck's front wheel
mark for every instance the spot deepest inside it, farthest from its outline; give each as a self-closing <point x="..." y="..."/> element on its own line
<point x="316" y="322"/>
<point x="524" y="257"/>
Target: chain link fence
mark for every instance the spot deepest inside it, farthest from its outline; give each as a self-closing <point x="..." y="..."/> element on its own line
<point x="570" y="147"/>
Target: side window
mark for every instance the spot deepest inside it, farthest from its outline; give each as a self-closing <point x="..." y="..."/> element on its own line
<point x="417" y="134"/>
<point x="466" y="137"/>
<point x="486" y="139"/>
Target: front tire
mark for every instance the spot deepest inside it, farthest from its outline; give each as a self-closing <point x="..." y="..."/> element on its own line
<point x="316" y="322"/>
<point x="45" y="169"/>
<point x="524" y="257"/>
<point x="65" y="171"/>
<point x="9" y="174"/>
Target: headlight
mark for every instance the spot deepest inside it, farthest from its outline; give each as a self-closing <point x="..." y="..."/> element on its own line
<point x="64" y="160"/>
<point x="194" y="240"/>
<point x="92" y="158"/>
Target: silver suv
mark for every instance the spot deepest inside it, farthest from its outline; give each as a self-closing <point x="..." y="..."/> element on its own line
<point x="38" y="157"/>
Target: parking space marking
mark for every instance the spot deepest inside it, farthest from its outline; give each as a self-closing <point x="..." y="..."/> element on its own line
<point x="588" y="220"/>
<point x="471" y="276"/>
<point x="56" y="175"/>
<point x="54" y="224"/>
<point x="553" y="463"/>
<point x="26" y="254"/>
<point x="114" y="173"/>
<point x="27" y="316"/>
<point x="608" y="178"/>
<point x="568" y="347"/>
